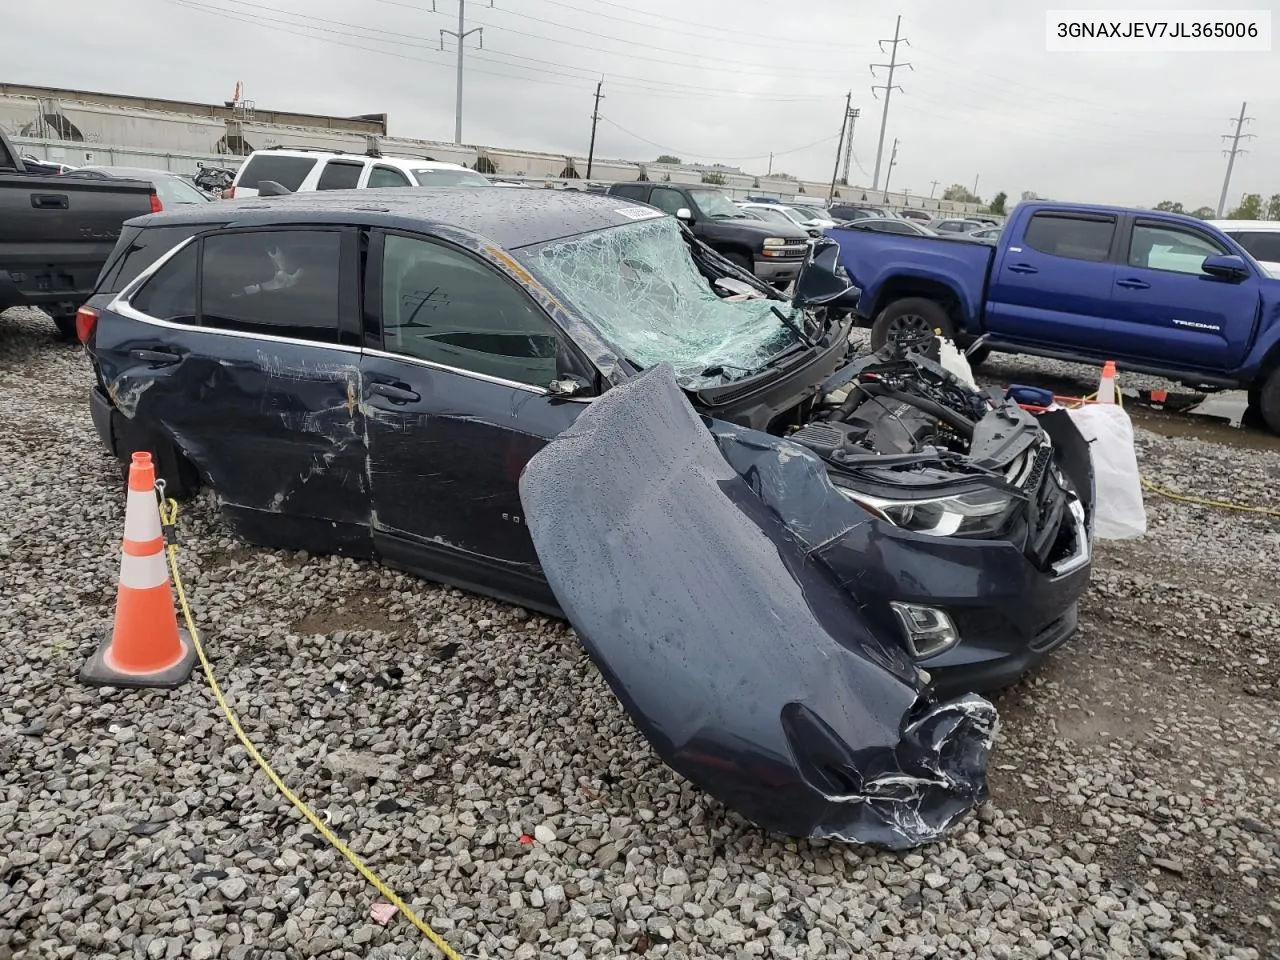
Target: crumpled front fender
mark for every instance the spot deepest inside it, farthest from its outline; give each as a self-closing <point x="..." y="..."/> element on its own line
<point x="737" y="655"/>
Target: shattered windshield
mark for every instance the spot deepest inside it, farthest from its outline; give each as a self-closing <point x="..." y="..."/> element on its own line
<point x="716" y="205"/>
<point x="639" y="287"/>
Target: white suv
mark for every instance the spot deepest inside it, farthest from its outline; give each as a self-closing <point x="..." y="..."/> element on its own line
<point x="299" y="170"/>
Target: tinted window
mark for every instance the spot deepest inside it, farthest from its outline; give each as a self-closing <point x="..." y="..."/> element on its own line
<point x="896" y="226"/>
<point x="441" y="305"/>
<point x="634" y="191"/>
<point x="387" y="177"/>
<point x="171" y="293"/>
<point x="664" y="198"/>
<point x="1162" y="247"/>
<point x="1073" y="237"/>
<point x="283" y="283"/>
<point x="1262" y="245"/>
<point x="340" y="175"/>
<point x="138" y="249"/>
<point x="289" y="172"/>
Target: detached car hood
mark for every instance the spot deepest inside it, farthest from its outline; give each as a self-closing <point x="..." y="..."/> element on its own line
<point x="736" y="653"/>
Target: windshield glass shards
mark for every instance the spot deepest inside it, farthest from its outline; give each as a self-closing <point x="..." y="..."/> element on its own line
<point x="638" y="285"/>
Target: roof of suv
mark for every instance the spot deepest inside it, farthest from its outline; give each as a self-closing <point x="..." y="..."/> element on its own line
<point x="514" y="218"/>
<point x="405" y="163"/>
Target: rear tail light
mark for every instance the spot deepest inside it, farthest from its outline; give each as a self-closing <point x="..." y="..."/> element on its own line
<point x="156" y="205"/>
<point x="86" y="322"/>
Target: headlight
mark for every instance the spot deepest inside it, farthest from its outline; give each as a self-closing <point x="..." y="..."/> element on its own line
<point x="774" y="242"/>
<point x="978" y="513"/>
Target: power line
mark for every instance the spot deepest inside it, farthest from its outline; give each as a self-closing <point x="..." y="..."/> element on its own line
<point x="888" y="88"/>
<point x="1235" y="139"/>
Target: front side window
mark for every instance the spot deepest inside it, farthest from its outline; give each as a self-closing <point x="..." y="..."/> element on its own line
<point x="668" y="200"/>
<point x="446" y="307"/>
<point x="1076" y="238"/>
<point x="382" y="176"/>
<point x="714" y="204"/>
<point x="283" y="283"/>
<point x="340" y="175"/>
<point x="1164" y="247"/>
<point x="1261" y="245"/>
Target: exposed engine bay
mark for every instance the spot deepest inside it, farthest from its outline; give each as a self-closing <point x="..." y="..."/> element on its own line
<point x="909" y="440"/>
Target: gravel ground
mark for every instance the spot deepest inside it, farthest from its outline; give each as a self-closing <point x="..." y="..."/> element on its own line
<point x="1136" y="786"/>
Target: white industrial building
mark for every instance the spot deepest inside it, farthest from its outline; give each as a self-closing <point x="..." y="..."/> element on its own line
<point x="80" y="127"/>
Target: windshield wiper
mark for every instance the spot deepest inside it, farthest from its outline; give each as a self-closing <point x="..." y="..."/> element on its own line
<point x="794" y="327"/>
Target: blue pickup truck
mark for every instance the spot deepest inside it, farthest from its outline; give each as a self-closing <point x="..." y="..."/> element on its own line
<point x="1159" y="293"/>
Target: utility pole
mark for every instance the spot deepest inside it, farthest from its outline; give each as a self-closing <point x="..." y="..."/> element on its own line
<point x="770" y="173"/>
<point x="933" y="186"/>
<point x="595" y="118"/>
<point x="461" y="35"/>
<point x="848" y="144"/>
<point x="888" y="87"/>
<point x="893" y="158"/>
<point x="1235" y="139"/>
<point x="975" y="184"/>
<point x="844" y="124"/>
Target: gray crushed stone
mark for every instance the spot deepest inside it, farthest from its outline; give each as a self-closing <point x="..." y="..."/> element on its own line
<point x="1136" y="785"/>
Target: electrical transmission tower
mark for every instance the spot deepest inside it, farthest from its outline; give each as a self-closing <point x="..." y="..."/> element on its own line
<point x="854" y="113"/>
<point x="1235" y="139"/>
<point x="888" y="87"/>
<point x="461" y="35"/>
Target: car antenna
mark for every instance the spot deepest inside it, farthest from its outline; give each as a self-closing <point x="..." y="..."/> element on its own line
<point x="794" y="327"/>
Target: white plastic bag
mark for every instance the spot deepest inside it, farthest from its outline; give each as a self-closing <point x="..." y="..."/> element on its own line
<point x="955" y="362"/>
<point x="1119" y="513"/>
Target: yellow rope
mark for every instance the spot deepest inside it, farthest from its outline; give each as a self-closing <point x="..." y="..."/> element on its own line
<point x="169" y="516"/>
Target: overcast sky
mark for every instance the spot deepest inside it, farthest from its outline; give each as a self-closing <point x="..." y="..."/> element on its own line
<point x="708" y="80"/>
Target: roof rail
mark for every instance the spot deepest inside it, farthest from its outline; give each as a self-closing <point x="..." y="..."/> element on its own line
<point x="281" y="146"/>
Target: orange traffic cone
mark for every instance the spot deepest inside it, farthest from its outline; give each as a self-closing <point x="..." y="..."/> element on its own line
<point x="1107" y="385"/>
<point x="146" y="648"/>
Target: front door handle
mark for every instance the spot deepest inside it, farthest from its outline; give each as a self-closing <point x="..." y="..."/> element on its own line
<point x="1133" y="284"/>
<point x="1023" y="268"/>
<point x="158" y="357"/>
<point x="394" y="393"/>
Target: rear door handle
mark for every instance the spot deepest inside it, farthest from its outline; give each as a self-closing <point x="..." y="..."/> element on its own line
<point x="49" y="201"/>
<point x="395" y="394"/>
<point x="1023" y="268"/>
<point x="158" y="357"/>
<point x="1134" y="284"/>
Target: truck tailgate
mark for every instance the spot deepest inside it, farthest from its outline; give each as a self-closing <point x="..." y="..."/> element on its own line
<point x="871" y="259"/>
<point x="57" y="232"/>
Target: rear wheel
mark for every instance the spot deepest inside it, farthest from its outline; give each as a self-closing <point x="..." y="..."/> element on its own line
<point x="910" y="315"/>
<point x="1268" y="400"/>
<point x="181" y="479"/>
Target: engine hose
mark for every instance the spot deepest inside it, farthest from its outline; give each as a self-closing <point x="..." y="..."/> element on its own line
<point x="962" y="425"/>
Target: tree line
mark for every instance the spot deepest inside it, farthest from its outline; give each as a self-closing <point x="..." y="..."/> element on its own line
<point x="1251" y="208"/>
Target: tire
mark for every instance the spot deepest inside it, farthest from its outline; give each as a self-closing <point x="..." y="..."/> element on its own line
<point x="1268" y="404"/>
<point x="66" y="324"/>
<point x="911" y="312"/>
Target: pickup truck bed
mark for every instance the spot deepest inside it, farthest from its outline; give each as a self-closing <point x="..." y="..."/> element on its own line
<point x="56" y="232"/>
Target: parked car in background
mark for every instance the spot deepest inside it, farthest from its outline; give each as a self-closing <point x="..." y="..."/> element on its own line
<point x="1159" y="293"/>
<point x="885" y="225"/>
<point x="859" y="211"/>
<point x="955" y="225"/>
<point x="173" y="189"/>
<point x="300" y="170"/>
<point x="987" y="233"/>
<point x="792" y="215"/>
<point x="814" y="214"/>
<point x="1260" y="237"/>
<point x="56" y="232"/>
<point x="772" y="251"/>
<point x="920" y="215"/>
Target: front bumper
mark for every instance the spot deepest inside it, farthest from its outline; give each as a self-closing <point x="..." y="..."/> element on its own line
<point x="1009" y="614"/>
<point x="777" y="271"/>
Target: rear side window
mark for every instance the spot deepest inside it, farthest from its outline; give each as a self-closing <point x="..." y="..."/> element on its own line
<point x="282" y="282"/>
<point x="1076" y="238"/>
<point x="171" y="293"/>
<point x="1262" y="245"/>
<point x="138" y="249"/>
<point x="289" y="172"/>
<point x="387" y="177"/>
<point x="340" y="175"/>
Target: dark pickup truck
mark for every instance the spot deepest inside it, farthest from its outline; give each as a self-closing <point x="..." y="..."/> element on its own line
<point x="1159" y="293"/>
<point x="56" y="233"/>
<point x="774" y="252"/>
